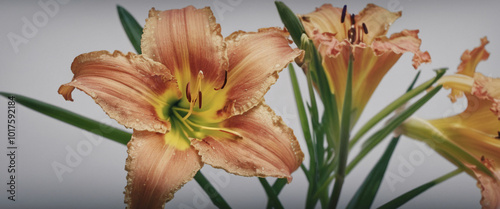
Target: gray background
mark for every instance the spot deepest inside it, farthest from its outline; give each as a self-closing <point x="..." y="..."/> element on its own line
<point x="447" y="28"/>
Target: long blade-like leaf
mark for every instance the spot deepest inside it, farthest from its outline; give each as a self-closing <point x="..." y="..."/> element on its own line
<point x="271" y="194"/>
<point x="417" y="191"/>
<point x="131" y="27"/>
<point x="377" y="137"/>
<point x="368" y="190"/>
<point x="394" y="105"/>
<point x="72" y="118"/>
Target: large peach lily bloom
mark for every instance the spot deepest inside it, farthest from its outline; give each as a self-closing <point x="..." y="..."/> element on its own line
<point x="192" y="98"/>
<point x="475" y="130"/>
<point x="335" y="33"/>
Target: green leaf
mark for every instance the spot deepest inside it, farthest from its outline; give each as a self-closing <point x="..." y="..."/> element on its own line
<point x="271" y="194"/>
<point x="368" y="190"/>
<point x="394" y="105"/>
<point x="216" y="198"/>
<point x="131" y="27"/>
<point x="74" y="119"/>
<point x="278" y="185"/>
<point x="399" y="201"/>
<point x="304" y="122"/>
<point x="103" y="130"/>
<point x="377" y="137"/>
<point x="291" y="22"/>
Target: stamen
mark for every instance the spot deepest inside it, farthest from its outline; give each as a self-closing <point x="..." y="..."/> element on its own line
<point x="199" y="97"/>
<point x="353" y="22"/>
<point x="344" y="10"/>
<point x="498" y="137"/>
<point x="188" y="92"/>
<point x="225" y="81"/>
<point x="365" y="29"/>
<point x="352" y="35"/>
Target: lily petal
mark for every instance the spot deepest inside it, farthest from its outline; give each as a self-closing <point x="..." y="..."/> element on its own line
<point x="156" y="170"/>
<point x="470" y="60"/>
<point x="326" y="19"/>
<point x="377" y="20"/>
<point x="255" y="59"/>
<point x="129" y="88"/>
<point x="267" y="148"/>
<point x="490" y="187"/>
<point x="187" y="41"/>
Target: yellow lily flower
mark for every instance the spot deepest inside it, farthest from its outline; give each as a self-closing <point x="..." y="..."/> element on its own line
<point x="335" y="33"/>
<point x="475" y="131"/>
<point x="193" y="97"/>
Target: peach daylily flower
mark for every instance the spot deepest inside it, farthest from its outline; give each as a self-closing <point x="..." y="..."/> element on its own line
<point x="192" y="98"/>
<point x="475" y="131"/>
<point x="334" y="33"/>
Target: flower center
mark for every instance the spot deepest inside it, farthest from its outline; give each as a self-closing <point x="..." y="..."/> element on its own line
<point x="352" y="33"/>
<point x="191" y="121"/>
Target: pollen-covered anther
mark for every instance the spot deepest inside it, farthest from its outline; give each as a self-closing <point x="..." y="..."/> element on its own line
<point x="365" y="29"/>
<point x="344" y="11"/>
<point x="225" y="81"/>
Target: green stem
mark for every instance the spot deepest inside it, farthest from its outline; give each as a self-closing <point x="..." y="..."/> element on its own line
<point x="345" y="129"/>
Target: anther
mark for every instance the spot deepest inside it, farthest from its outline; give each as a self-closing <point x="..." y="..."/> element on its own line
<point x="199" y="99"/>
<point x="225" y="81"/>
<point x="188" y="92"/>
<point x="353" y="22"/>
<point x="482" y="158"/>
<point x="365" y="29"/>
<point x="344" y="11"/>
<point x="498" y="137"/>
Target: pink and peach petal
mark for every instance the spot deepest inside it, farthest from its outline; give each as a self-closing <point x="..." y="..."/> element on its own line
<point x="326" y="19"/>
<point x="377" y="20"/>
<point x="129" y="87"/>
<point x="187" y="41"/>
<point x="268" y="146"/>
<point x="255" y="59"/>
<point x="490" y="187"/>
<point x="470" y="59"/>
<point x="399" y="43"/>
<point x="156" y="171"/>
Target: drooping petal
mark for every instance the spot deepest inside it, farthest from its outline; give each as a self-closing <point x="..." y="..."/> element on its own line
<point x="490" y="187"/>
<point x="326" y="19"/>
<point x="377" y="20"/>
<point x="405" y="41"/>
<point x="268" y="146"/>
<point x="187" y="41"/>
<point x="470" y="60"/>
<point x="156" y="170"/>
<point x="130" y="88"/>
<point x="255" y="59"/>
